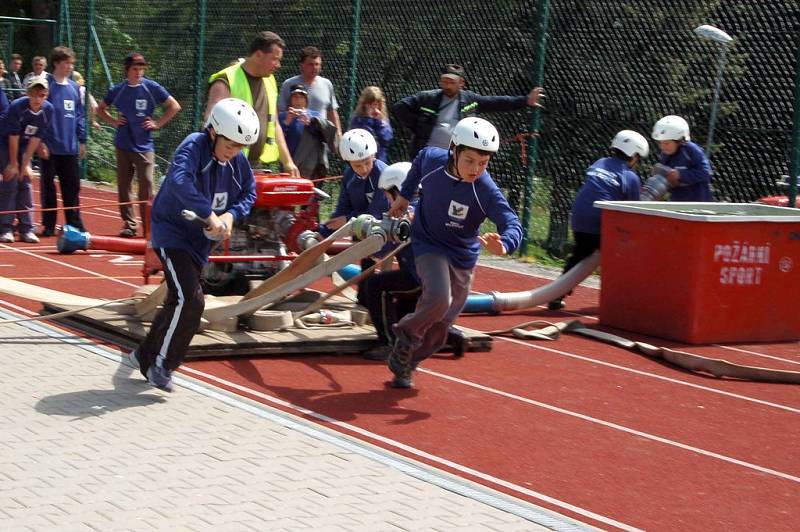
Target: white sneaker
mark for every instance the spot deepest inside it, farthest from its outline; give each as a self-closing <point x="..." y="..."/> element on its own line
<point x="29" y="237"/>
<point x="7" y="238"/>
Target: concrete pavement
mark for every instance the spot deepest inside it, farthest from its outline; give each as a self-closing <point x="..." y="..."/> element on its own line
<point x="86" y="444"/>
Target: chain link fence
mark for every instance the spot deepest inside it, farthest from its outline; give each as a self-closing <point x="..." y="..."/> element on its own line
<point x="610" y="65"/>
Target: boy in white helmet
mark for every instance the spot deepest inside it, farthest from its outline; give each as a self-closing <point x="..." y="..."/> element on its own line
<point x="210" y="176"/>
<point x="684" y="163"/>
<point x="359" y="193"/>
<point x="610" y="178"/>
<point x="391" y="294"/>
<point x="457" y="194"/>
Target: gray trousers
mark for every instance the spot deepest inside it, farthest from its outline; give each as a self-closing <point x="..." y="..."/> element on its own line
<point x="444" y="294"/>
<point x="143" y="165"/>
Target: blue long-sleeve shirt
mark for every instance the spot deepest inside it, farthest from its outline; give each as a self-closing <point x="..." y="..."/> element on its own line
<point x="695" y="173"/>
<point x="20" y="120"/>
<point x="362" y="195"/>
<point x="608" y="179"/>
<point x="294" y="132"/>
<point x="68" y="129"/>
<point x="450" y="211"/>
<point x="380" y="129"/>
<point x="196" y="181"/>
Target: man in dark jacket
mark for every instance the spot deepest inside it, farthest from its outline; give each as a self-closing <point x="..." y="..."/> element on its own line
<point x="432" y="115"/>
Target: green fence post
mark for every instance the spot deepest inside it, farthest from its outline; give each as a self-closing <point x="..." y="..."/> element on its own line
<point x="87" y="67"/>
<point x="351" y="89"/>
<point x="794" y="167"/>
<point x="533" y="142"/>
<point x="199" y="78"/>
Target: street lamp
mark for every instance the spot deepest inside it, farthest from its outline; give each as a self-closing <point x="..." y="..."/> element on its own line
<point x="715" y="34"/>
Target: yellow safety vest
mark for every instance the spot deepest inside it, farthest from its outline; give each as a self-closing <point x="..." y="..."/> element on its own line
<point x="240" y="88"/>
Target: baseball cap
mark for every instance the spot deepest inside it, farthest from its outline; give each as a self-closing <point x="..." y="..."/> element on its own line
<point x="453" y="71"/>
<point x="134" y="58"/>
<point x="299" y="88"/>
<point x="40" y="80"/>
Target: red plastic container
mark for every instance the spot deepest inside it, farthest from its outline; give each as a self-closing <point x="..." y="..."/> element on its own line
<point x="701" y="272"/>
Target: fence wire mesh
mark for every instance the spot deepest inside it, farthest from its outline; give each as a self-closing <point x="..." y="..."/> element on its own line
<point x="609" y="65"/>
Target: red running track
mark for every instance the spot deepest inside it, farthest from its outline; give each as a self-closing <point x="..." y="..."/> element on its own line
<point x="609" y="437"/>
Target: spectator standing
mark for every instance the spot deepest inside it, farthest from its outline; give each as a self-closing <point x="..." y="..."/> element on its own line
<point x="136" y="98"/>
<point x="15" y="78"/>
<point x="253" y="80"/>
<point x="39" y="63"/>
<point x="22" y="128"/>
<point x="321" y="96"/>
<point x="91" y="105"/>
<point x="372" y="115"/>
<point x="66" y="143"/>
<point x="431" y="115"/>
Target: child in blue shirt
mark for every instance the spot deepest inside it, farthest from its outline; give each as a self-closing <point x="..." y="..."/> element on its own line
<point x="689" y="171"/>
<point x="65" y="145"/>
<point x="210" y="176"/>
<point x="359" y="193"/>
<point x="457" y="194"/>
<point x="372" y="115"/>
<point x="136" y="99"/>
<point x="22" y="128"/>
<point x="296" y="117"/>
<point x="608" y="179"/>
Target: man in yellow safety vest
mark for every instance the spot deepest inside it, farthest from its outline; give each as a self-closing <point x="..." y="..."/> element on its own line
<point x="253" y="81"/>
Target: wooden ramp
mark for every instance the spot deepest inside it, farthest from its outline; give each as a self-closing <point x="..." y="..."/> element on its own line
<point x="128" y="331"/>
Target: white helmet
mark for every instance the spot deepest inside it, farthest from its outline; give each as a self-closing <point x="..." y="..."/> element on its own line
<point x="671" y="127"/>
<point x="393" y="176"/>
<point x="236" y="120"/>
<point x="631" y="143"/>
<point x="474" y="132"/>
<point x="357" y="144"/>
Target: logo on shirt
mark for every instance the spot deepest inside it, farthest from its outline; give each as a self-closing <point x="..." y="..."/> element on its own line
<point x="69" y="105"/>
<point x="141" y="105"/>
<point x="457" y="211"/>
<point x="370" y="195"/>
<point x="30" y="130"/>
<point x="220" y="201"/>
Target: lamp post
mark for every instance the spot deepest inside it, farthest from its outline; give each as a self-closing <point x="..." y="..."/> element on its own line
<point x="715" y="34"/>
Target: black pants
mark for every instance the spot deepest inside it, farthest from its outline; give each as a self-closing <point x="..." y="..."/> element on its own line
<point x="66" y="168"/>
<point x="585" y="245"/>
<point x="177" y="322"/>
<point x="365" y="265"/>
<point x="389" y="296"/>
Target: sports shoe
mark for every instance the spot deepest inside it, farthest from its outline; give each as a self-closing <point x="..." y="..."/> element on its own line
<point x="128" y="233"/>
<point x="380" y="352"/>
<point x="399" y="363"/>
<point x="7" y="238"/>
<point x="556" y="304"/>
<point x="160" y="377"/>
<point x="458" y="342"/>
<point x="29" y="237"/>
<point x="133" y="358"/>
<point x="48" y="231"/>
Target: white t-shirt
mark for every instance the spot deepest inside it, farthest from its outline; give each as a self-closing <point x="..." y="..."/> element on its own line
<point x="445" y="122"/>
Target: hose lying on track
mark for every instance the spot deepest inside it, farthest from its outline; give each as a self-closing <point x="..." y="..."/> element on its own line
<point x="688" y="361"/>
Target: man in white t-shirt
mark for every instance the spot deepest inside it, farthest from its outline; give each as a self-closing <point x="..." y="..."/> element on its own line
<point x="321" y="97"/>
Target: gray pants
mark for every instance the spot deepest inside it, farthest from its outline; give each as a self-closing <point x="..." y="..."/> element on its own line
<point x="143" y="165"/>
<point x="444" y="294"/>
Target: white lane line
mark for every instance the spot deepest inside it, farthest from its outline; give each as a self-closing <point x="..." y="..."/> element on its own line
<point x="648" y="374"/>
<point x="412" y="450"/>
<point x="617" y="426"/>
<point x="84" y="270"/>
<point x="772" y="357"/>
